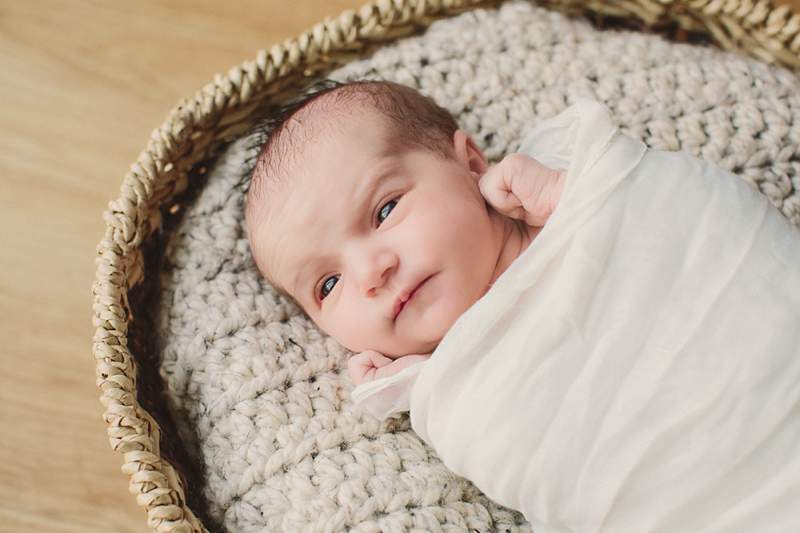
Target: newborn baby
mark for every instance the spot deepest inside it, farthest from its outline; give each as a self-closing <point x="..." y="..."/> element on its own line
<point x="383" y="221"/>
<point x="610" y="346"/>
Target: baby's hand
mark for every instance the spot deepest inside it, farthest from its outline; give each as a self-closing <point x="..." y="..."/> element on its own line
<point x="363" y="366"/>
<point x="369" y="365"/>
<point x="521" y="187"/>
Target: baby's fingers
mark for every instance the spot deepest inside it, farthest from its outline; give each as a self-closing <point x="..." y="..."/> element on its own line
<point x="362" y="366"/>
<point x="521" y="187"/>
<point x="495" y="187"/>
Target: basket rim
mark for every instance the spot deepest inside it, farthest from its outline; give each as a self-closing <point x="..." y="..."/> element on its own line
<point x="771" y="34"/>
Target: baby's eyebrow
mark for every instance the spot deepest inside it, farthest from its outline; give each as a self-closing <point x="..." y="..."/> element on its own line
<point x="374" y="181"/>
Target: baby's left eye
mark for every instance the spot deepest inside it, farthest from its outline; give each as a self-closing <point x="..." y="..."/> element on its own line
<point x="382" y="209"/>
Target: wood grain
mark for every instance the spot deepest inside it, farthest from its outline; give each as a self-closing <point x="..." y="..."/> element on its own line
<point x="83" y="84"/>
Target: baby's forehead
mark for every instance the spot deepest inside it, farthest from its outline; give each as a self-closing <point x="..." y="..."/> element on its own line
<point x="324" y="118"/>
<point x="285" y="167"/>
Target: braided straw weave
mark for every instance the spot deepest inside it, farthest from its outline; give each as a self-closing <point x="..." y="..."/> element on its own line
<point x="222" y="110"/>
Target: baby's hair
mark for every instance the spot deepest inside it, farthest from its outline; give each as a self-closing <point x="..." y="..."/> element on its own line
<point x="416" y="121"/>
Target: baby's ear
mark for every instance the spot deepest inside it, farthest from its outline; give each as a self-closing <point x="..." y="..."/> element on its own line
<point x="468" y="154"/>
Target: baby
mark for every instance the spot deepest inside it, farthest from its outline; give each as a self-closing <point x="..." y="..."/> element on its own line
<point x="636" y="370"/>
<point x="380" y="218"/>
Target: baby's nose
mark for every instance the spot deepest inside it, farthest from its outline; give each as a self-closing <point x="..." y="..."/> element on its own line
<point x="374" y="272"/>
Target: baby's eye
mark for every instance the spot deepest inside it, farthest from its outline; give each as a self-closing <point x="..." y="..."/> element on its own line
<point x="322" y="293"/>
<point x="384" y="209"/>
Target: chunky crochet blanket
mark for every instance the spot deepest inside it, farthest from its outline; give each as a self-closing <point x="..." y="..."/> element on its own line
<point x="262" y="398"/>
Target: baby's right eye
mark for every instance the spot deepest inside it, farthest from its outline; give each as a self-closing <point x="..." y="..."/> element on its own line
<point x="322" y="293"/>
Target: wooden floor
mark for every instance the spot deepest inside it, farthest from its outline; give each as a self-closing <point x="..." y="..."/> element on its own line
<point x="82" y="85"/>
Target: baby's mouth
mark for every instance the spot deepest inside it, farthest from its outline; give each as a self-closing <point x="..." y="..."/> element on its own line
<point x="401" y="302"/>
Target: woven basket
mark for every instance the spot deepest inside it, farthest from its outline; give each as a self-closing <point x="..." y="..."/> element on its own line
<point x="172" y="163"/>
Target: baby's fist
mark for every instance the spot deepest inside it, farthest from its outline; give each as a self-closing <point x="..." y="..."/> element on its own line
<point x="520" y="187"/>
<point x="364" y="365"/>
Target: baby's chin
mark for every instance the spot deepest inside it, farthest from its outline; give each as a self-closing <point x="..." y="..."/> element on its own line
<point x="428" y="329"/>
<point x="400" y="345"/>
<point x="417" y="348"/>
<point x="394" y="349"/>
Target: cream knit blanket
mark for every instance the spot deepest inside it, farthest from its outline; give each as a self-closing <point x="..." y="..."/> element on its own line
<point x="262" y="398"/>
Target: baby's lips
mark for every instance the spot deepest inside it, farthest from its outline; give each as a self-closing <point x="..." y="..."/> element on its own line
<point x="406" y="295"/>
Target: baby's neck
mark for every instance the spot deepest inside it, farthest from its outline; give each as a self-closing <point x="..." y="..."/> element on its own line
<point x="514" y="238"/>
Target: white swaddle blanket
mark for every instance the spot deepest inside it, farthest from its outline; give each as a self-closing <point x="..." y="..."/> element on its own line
<point x="637" y="368"/>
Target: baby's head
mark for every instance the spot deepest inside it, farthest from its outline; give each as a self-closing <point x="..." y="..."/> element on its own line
<point x="362" y="191"/>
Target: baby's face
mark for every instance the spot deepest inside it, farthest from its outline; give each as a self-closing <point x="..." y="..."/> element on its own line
<point x="360" y="224"/>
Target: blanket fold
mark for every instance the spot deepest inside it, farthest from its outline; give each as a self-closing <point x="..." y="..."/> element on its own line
<point x="637" y="368"/>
